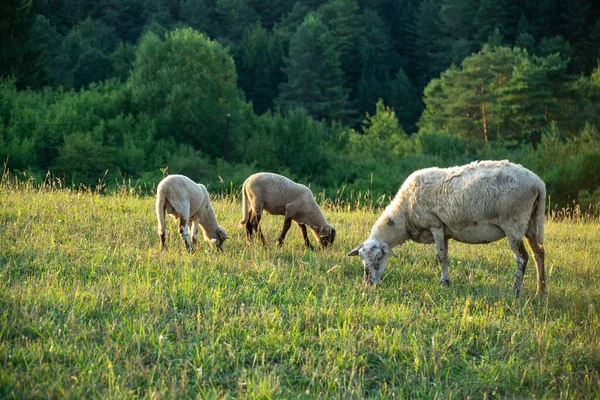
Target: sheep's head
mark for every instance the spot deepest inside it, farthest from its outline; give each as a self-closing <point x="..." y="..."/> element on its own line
<point x="375" y="256"/>
<point x="219" y="238"/>
<point x="327" y="235"/>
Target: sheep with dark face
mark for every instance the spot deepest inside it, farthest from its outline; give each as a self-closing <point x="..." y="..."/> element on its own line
<point x="188" y="202"/>
<point x="480" y="202"/>
<point x="278" y="195"/>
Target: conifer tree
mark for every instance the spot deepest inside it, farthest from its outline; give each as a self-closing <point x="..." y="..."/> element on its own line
<point x="374" y="49"/>
<point x="428" y="39"/>
<point x="456" y="24"/>
<point x="314" y="77"/>
<point x="576" y="26"/>
<point x="345" y="23"/>
<point x="491" y="15"/>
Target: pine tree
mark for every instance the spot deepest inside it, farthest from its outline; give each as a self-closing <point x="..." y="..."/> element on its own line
<point x="576" y="29"/>
<point x="490" y="16"/>
<point x="124" y="17"/>
<point x="235" y="17"/>
<point x="428" y="38"/>
<point x="374" y="50"/>
<point x="399" y="20"/>
<point x="271" y="11"/>
<point x="200" y="16"/>
<point x="53" y="67"/>
<point x="456" y="24"/>
<point x="524" y="38"/>
<point x="19" y="56"/>
<point x="314" y="76"/>
<point x="544" y="17"/>
<point x="498" y="94"/>
<point x="405" y="100"/>
<point x="346" y="25"/>
<point x="260" y="63"/>
<point x="535" y="95"/>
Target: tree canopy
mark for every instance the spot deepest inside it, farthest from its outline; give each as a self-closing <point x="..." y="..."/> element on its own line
<point x="344" y="93"/>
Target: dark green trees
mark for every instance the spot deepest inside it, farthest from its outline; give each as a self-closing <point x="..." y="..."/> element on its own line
<point x="314" y="77"/>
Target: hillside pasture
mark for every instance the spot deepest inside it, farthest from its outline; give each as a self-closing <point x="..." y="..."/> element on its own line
<point x="91" y="308"/>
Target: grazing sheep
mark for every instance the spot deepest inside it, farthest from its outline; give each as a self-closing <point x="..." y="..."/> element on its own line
<point x="479" y="202"/>
<point x="187" y="201"/>
<point x="278" y="195"/>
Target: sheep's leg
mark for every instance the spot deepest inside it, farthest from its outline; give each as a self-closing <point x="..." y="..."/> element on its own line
<point x="539" y="254"/>
<point x="305" y="235"/>
<point x="518" y="248"/>
<point x="287" y="223"/>
<point x="256" y="227"/>
<point x="184" y="232"/>
<point x="249" y="227"/>
<point x="441" y="245"/>
<point x="194" y="225"/>
<point x="161" y="235"/>
<point x="161" y="227"/>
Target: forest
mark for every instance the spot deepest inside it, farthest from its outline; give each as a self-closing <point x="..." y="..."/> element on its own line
<point x="345" y="95"/>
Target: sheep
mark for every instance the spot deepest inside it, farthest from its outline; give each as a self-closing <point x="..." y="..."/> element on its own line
<point x="278" y="195"/>
<point x="187" y="201"/>
<point x="480" y="202"/>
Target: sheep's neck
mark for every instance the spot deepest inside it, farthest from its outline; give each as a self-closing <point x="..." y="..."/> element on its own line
<point x="314" y="221"/>
<point x="208" y="224"/>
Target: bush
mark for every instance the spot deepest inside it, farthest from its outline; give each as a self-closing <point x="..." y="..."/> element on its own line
<point x="441" y="144"/>
<point x="83" y="159"/>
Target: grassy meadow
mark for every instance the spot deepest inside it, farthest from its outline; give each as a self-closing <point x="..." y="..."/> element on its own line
<point x="91" y="308"/>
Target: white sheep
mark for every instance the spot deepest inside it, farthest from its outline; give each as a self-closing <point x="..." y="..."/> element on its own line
<point x="188" y="202"/>
<point x="480" y="202"/>
<point x="278" y="195"/>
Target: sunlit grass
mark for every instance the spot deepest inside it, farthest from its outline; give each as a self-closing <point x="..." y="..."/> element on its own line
<point x="89" y="307"/>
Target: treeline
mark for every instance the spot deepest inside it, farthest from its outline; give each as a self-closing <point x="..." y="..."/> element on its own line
<point x="344" y="94"/>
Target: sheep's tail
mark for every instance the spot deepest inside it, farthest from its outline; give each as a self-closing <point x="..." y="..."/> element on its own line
<point x="540" y="213"/>
<point x="161" y="198"/>
<point x="245" y="211"/>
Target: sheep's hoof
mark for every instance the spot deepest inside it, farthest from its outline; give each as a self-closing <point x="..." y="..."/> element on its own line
<point x="541" y="291"/>
<point x="517" y="290"/>
<point x="445" y="282"/>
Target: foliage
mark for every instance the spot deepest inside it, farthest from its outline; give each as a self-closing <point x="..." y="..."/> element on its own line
<point x="261" y="63"/>
<point x="314" y="77"/>
<point x="200" y="87"/>
<point x="189" y="83"/>
<point x="570" y="166"/>
<point x="499" y="94"/>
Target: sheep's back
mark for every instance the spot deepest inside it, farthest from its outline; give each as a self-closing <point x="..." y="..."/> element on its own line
<point x="483" y="190"/>
<point x="181" y="190"/>
<point x="275" y="191"/>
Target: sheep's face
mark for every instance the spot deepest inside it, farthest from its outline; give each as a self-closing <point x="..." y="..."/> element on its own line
<point x="327" y="236"/>
<point x="219" y="239"/>
<point x="375" y="256"/>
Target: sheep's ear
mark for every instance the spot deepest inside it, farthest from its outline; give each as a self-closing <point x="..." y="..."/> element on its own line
<point x="387" y="250"/>
<point x="354" y="251"/>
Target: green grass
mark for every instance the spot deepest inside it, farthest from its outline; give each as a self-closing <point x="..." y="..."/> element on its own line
<point x="90" y="308"/>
